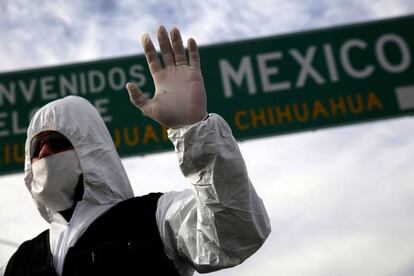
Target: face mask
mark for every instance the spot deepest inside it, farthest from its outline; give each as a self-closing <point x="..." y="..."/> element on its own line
<point x="54" y="180"/>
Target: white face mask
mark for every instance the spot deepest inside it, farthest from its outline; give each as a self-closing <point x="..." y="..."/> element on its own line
<point x="54" y="180"/>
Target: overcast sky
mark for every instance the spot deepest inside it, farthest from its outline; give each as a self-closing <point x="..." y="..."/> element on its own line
<point x="341" y="200"/>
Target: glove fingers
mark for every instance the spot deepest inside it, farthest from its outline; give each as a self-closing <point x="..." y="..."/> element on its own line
<point x="165" y="46"/>
<point x="178" y="47"/>
<point x="153" y="61"/>
<point x="193" y="53"/>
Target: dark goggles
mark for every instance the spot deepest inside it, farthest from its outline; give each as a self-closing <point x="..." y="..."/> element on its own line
<point x="56" y="141"/>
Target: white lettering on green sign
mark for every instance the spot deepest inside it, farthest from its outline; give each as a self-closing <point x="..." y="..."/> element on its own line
<point x="79" y="83"/>
<point x="234" y="76"/>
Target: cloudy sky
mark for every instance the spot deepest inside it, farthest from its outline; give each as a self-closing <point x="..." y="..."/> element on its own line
<point x="341" y="200"/>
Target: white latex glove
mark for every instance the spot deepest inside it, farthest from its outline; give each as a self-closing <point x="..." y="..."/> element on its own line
<point x="180" y="96"/>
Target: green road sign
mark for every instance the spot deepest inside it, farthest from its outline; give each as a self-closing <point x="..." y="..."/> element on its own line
<point x="262" y="87"/>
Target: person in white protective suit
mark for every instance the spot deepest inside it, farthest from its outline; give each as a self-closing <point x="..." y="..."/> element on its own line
<point x="98" y="227"/>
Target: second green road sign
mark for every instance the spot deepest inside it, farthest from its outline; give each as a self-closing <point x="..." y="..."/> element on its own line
<point x="261" y="87"/>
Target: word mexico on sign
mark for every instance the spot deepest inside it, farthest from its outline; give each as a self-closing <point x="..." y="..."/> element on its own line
<point x="261" y="87"/>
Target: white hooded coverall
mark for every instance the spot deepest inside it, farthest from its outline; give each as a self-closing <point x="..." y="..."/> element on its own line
<point x="217" y="223"/>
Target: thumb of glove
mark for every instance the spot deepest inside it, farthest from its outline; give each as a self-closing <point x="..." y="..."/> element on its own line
<point x="136" y="96"/>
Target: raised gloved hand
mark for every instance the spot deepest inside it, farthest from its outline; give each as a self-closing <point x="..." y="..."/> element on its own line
<point x="180" y="97"/>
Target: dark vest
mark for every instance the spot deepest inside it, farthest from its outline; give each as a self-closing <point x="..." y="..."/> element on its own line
<point x="123" y="241"/>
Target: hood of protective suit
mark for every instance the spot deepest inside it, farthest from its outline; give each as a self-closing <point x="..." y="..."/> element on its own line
<point x="105" y="179"/>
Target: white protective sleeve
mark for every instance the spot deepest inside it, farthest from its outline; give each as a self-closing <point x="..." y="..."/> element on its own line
<point x="221" y="221"/>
